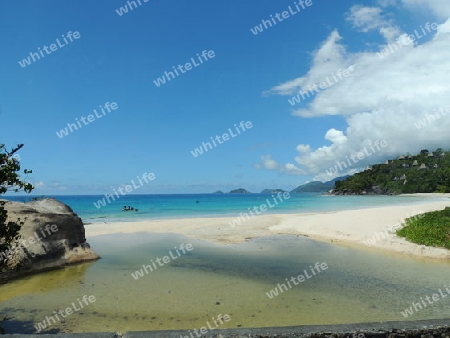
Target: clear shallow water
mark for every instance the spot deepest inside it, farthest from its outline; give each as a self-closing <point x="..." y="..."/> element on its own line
<point x="358" y="286"/>
<point x="184" y="206"/>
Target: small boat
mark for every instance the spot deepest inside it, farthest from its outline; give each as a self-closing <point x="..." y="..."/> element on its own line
<point x="129" y="209"/>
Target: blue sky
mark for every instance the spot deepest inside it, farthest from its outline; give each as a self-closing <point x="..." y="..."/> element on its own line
<point x="117" y="58"/>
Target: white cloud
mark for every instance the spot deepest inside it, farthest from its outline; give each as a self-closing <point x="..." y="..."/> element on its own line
<point x="302" y="148"/>
<point x="329" y="58"/>
<point x="335" y="136"/>
<point x="387" y="3"/>
<point x="381" y="100"/>
<point x="267" y="162"/>
<point x="390" y="34"/>
<point x="39" y="185"/>
<point x="440" y="8"/>
<point x="366" y="18"/>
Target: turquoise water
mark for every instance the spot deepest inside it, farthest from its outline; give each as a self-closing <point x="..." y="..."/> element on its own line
<point x="358" y="286"/>
<point x="204" y="205"/>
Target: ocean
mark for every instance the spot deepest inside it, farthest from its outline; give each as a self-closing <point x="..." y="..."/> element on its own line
<point x="215" y="205"/>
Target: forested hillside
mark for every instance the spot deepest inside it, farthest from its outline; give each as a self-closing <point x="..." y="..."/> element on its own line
<point x="423" y="173"/>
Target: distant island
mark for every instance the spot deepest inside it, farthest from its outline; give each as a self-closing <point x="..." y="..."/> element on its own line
<point x="239" y="191"/>
<point x="272" y="191"/>
<point x="427" y="172"/>
<point x="315" y="186"/>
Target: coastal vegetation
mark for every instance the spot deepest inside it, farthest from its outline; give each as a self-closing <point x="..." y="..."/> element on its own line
<point x="10" y="181"/>
<point x="427" y="172"/>
<point x="433" y="229"/>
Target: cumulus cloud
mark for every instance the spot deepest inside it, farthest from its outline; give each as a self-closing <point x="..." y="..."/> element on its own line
<point x="267" y="162"/>
<point x="383" y="99"/>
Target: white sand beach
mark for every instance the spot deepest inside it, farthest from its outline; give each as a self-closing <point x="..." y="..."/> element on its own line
<point x="349" y="227"/>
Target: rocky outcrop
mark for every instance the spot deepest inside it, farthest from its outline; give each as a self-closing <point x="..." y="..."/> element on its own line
<point x="52" y="236"/>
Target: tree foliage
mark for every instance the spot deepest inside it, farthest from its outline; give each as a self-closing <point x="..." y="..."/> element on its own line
<point x="10" y="181"/>
<point x="423" y="173"/>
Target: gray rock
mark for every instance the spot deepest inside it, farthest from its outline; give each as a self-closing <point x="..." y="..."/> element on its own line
<point x="52" y="236"/>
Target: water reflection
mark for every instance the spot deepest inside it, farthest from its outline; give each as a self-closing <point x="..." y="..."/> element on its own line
<point x="358" y="286"/>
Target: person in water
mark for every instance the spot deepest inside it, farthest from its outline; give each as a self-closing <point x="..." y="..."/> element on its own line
<point x="129" y="208"/>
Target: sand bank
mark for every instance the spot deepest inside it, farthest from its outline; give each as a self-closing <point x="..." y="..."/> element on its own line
<point x="365" y="228"/>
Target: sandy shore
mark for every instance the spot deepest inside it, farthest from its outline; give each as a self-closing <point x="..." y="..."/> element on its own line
<point x="365" y="228"/>
<point x="431" y="195"/>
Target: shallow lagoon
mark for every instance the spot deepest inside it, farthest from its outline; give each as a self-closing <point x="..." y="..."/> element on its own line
<point x="358" y="286"/>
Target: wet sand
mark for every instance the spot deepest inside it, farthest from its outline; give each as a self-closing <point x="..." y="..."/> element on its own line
<point x="368" y="228"/>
